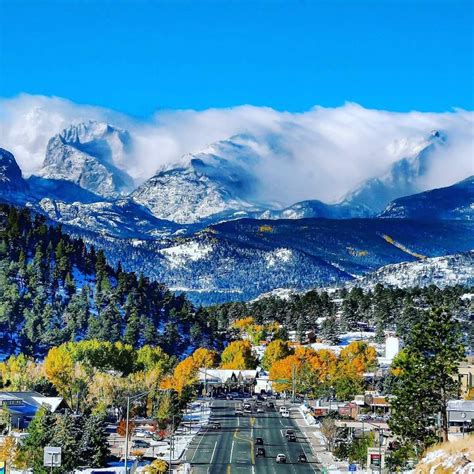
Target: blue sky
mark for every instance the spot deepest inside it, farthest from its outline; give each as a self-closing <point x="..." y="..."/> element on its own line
<point x="141" y="56"/>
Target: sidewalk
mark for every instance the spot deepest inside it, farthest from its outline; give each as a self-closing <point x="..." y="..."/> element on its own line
<point x="310" y="429"/>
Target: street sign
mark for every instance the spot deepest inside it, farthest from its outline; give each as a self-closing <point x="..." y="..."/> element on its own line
<point x="52" y="456"/>
<point x="352" y="467"/>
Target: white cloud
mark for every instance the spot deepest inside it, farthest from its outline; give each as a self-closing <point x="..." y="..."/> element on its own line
<point x="322" y="153"/>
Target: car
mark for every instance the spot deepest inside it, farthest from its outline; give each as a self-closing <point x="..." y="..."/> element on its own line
<point x="302" y="457"/>
<point x="289" y="432"/>
<point x="282" y="408"/>
<point x="247" y="410"/>
<point x="280" y="458"/>
<point x="260" y="410"/>
<point x="260" y="451"/>
<point x="215" y="425"/>
<point x="285" y="414"/>
<point x="139" y="443"/>
<point x="229" y="397"/>
<point x="270" y="405"/>
<point x="291" y="437"/>
<point x="238" y="412"/>
<point x="258" y="440"/>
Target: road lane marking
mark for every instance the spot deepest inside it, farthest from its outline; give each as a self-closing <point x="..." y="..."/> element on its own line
<point x="197" y="447"/>
<point x="231" y="451"/>
<point x="213" y="452"/>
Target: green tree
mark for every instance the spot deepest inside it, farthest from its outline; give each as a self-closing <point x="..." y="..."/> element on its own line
<point x="426" y="378"/>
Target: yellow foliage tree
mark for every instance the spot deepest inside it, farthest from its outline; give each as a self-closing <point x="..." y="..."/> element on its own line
<point x="276" y="350"/>
<point x="159" y="466"/>
<point x="19" y="373"/>
<point x="69" y="377"/>
<point x="205" y="358"/>
<point x="243" y="323"/>
<point x="238" y="356"/>
<point x="358" y="356"/>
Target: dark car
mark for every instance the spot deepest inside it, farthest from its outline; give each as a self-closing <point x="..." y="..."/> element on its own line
<point x="291" y="437"/>
<point x="258" y="440"/>
<point x="280" y="458"/>
<point x="270" y="405"/>
<point x="289" y="433"/>
<point x="260" y="451"/>
<point x="138" y="443"/>
<point x="302" y="458"/>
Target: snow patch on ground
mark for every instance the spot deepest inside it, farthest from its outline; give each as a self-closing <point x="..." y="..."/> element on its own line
<point x="179" y="255"/>
<point x="278" y="256"/>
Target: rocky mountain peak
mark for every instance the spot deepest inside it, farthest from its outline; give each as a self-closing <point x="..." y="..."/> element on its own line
<point x="90" y="155"/>
<point x="10" y="174"/>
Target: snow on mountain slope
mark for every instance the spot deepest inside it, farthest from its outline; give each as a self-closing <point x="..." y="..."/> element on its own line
<point x="404" y="177"/>
<point x="217" y="183"/>
<point x="121" y="218"/>
<point x="452" y="202"/>
<point x="89" y="155"/>
<point x="444" y="271"/>
<point x="11" y="179"/>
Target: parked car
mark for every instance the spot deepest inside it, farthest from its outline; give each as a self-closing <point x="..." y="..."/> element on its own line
<point x="270" y="405"/>
<point x="139" y="443"/>
<point x="260" y="410"/>
<point x="258" y="440"/>
<point x="280" y="458"/>
<point x="285" y="414"/>
<point x="291" y="437"/>
<point x="289" y="432"/>
<point x="260" y="451"/>
<point x="238" y="412"/>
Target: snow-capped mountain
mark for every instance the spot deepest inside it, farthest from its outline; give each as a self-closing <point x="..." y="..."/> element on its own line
<point x="443" y="271"/>
<point x="452" y="202"/>
<point x="11" y="179"/>
<point x="215" y="183"/>
<point x="88" y="154"/>
<point x="404" y="176"/>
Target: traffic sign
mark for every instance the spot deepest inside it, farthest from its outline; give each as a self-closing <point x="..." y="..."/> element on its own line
<point x="52" y="456"/>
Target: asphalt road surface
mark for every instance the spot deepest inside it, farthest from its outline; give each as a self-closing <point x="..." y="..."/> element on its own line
<point x="231" y="449"/>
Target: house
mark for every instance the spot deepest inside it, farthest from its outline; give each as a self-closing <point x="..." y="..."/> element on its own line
<point x="460" y="413"/>
<point x="23" y="406"/>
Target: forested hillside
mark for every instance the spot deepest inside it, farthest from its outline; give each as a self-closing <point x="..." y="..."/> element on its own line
<point x="55" y="288"/>
<point x="327" y="315"/>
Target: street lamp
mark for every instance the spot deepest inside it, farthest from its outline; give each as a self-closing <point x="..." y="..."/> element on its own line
<point x="127" y="418"/>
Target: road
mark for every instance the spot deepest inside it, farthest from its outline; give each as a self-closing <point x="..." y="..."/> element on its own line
<point x="231" y="449"/>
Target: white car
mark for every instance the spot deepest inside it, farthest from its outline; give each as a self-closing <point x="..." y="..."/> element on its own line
<point x="281" y="458"/>
<point x="285" y="414"/>
<point x="282" y="408"/>
<point x="260" y="410"/>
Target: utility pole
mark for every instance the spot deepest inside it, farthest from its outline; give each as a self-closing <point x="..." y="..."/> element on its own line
<point x="293" y="377"/>
<point x="126" y="433"/>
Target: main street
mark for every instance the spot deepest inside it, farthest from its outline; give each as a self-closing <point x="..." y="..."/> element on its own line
<point x="231" y="449"/>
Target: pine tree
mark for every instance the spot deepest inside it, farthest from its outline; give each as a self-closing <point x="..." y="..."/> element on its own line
<point x="94" y="448"/>
<point x="426" y="378"/>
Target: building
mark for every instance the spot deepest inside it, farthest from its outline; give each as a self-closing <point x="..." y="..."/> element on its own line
<point x="22" y="406"/>
<point x="460" y="414"/>
<point x="214" y="381"/>
<point x="466" y="378"/>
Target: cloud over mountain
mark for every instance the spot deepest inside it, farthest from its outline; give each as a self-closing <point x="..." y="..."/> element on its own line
<point x="318" y="154"/>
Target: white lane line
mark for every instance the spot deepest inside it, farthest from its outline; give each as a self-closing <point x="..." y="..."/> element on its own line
<point x="213" y="452"/>
<point x="231" y="451"/>
<point x="197" y="447"/>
